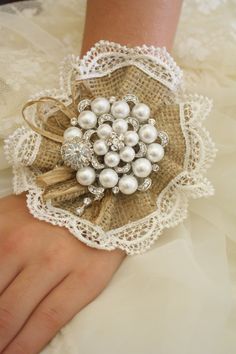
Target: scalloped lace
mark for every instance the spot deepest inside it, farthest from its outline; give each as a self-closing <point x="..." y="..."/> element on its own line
<point x="172" y="203"/>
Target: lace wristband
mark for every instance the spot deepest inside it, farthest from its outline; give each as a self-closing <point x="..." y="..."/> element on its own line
<point x="116" y="152"/>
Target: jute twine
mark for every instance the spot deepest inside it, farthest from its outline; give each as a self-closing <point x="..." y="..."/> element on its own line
<point x="60" y="184"/>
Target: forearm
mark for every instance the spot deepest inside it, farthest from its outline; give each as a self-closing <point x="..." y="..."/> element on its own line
<point x="131" y="23"/>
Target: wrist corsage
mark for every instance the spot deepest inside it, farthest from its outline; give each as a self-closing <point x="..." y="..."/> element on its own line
<point x="116" y="152"/>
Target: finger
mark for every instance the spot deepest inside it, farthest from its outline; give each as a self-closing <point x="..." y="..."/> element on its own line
<point x="58" y="308"/>
<point x="21" y="297"/>
<point x="10" y="268"/>
<point x="10" y="262"/>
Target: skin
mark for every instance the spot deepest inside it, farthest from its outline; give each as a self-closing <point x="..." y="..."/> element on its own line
<point x="47" y="275"/>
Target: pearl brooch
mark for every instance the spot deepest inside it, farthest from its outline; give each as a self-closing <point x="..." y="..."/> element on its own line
<point x="155" y="152"/>
<point x="113" y="145"/>
<point x="148" y="133"/>
<point x="120" y="126"/>
<point x="120" y="109"/>
<point x="100" y="147"/>
<point x="128" y="184"/>
<point x="86" y="176"/>
<point x="104" y="131"/>
<point x="131" y="138"/>
<point x="108" y="178"/>
<point x="87" y="119"/>
<point x="127" y="154"/>
<point x="72" y="132"/>
<point x="112" y="159"/>
<point x="100" y="106"/>
<point x="141" y="111"/>
<point x="142" y="167"/>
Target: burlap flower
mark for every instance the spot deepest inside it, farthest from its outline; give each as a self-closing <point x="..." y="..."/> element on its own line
<point x="129" y="222"/>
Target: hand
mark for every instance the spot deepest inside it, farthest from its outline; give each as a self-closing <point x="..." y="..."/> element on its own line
<point x="47" y="276"/>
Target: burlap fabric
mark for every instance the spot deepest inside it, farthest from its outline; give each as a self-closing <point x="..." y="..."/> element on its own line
<point x="114" y="211"/>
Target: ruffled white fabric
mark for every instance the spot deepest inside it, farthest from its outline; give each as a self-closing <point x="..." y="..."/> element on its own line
<point x="177" y="298"/>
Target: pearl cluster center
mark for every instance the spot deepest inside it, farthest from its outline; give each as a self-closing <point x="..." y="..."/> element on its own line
<point x="113" y="144"/>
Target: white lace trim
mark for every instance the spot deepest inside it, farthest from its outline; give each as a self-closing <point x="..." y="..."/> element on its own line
<point x="172" y="203"/>
<point x="105" y="57"/>
<point x="21" y="149"/>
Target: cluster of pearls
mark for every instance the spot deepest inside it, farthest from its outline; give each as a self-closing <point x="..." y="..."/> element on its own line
<point x="120" y="140"/>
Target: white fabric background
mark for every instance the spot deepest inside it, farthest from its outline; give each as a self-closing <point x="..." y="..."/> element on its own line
<point x="179" y="297"/>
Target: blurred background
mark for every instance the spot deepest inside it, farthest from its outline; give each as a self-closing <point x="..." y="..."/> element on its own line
<point x="2" y="2"/>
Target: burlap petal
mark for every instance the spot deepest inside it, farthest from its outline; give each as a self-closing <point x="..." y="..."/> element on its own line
<point x="64" y="191"/>
<point x="48" y="156"/>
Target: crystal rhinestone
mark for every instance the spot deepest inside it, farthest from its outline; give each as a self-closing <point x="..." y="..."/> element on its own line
<point x="96" y="164"/>
<point x="155" y="167"/>
<point x="134" y="122"/>
<point x="131" y="98"/>
<point x="114" y="148"/>
<point x="112" y="99"/>
<point x="115" y="190"/>
<point x="87" y="201"/>
<point x="79" y="211"/>
<point x="152" y="121"/>
<point x="88" y="133"/>
<point x="142" y="149"/>
<point x="83" y="104"/>
<point x="123" y="169"/>
<point x="96" y="190"/>
<point x="116" y="141"/>
<point x="99" y="196"/>
<point x="106" y="117"/>
<point x="143" y="187"/>
<point x="76" y="153"/>
<point x="164" y="138"/>
<point x="74" y="121"/>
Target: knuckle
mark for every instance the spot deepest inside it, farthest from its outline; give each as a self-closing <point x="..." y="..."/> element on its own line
<point x="11" y="243"/>
<point x="55" y="257"/>
<point x="87" y="278"/>
<point x="17" y="347"/>
<point x="51" y="318"/>
<point x="6" y="319"/>
<point x="14" y="240"/>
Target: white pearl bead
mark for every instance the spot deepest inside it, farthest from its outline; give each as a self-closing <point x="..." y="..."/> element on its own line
<point x="128" y="184"/>
<point x="108" y="178"/>
<point x="112" y="159"/>
<point x="127" y="154"/>
<point x="86" y="176"/>
<point x="131" y="138"/>
<point x="155" y="152"/>
<point x="142" y="167"/>
<point x="72" y="132"/>
<point x="148" y="133"/>
<point x="120" y="126"/>
<point x="87" y="119"/>
<point x="141" y="111"/>
<point x="120" y="109"/>
<point x="100" y="105"/>
<point x="100" y="147"/>
<point x="104" y="131"/>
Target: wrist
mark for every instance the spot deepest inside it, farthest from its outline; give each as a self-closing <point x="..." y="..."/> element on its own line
<point x="131" y="23"/>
